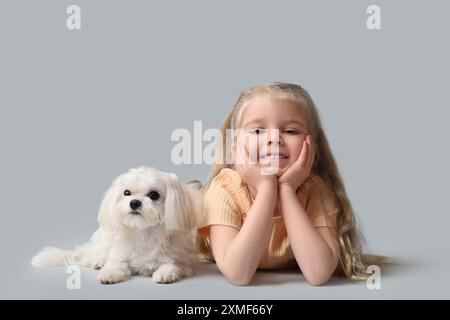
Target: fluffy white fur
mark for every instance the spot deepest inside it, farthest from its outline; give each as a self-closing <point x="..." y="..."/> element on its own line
<point x="156" y="239"/>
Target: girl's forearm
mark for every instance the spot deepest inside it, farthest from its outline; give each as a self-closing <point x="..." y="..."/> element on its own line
<point x="243" y="254"/>
<point x="314" y="256"/>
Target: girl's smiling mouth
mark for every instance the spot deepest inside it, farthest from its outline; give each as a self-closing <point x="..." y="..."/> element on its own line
<point x="272" y="156"/>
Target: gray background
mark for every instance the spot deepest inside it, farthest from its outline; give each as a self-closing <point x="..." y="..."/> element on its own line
<point x="80" y="107"/>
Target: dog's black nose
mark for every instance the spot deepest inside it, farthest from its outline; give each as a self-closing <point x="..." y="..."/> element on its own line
<point x="134" y="204"/>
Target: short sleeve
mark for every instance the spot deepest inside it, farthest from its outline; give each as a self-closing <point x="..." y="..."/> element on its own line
<point x="320" y="204"/>
<point x="219" y="208"/>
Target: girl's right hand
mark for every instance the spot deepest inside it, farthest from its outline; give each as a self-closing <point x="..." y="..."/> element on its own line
<point x="251" y="171"/>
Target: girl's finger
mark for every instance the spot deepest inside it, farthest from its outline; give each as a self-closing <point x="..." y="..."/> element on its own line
<point x="303" y="154"/>
<point x="312" y="152"/>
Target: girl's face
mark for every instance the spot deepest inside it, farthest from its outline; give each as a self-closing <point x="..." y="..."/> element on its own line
<point x="273" y="131"/>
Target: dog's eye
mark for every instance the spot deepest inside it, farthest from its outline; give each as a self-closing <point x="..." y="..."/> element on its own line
<point x="127" y="193"/>
<point x="153" y="195"/>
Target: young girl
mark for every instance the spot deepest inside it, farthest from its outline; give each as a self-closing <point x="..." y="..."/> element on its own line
<point x="271" y="216"/>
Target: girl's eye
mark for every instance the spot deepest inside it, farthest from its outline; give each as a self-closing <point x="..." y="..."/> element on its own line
<point x="153" y="195"/>
<point x="291" y="131"/>
<point x="257" y="130"/>
<point x="127" y="193"/>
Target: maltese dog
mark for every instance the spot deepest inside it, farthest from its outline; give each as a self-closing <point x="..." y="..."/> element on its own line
<point x="147" y="227"/>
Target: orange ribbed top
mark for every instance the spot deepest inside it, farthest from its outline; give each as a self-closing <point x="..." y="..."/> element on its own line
<point x="228" y="200"/>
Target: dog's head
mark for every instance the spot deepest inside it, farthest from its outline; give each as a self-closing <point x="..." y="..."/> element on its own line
<point x="145" y="197"/>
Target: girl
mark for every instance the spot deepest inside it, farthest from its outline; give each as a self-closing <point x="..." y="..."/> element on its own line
<point x="281" y="200"/>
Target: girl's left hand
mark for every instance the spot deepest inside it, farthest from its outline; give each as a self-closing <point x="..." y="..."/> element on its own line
<point x="299" y="170"/>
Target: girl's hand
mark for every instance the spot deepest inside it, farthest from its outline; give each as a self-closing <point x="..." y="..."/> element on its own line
<point x="251" y="172"/>
<point x="299" y="170"/>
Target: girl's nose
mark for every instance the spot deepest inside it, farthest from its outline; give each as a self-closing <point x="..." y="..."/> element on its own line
<point x="274" y="137"/>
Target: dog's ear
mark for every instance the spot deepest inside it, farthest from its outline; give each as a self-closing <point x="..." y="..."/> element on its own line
<point x="180" y="206"/>
<point x="106" y="217"/>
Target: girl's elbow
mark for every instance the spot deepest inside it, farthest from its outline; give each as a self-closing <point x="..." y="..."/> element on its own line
<point x="317" y="278"/>
<point x="317" y="281"/>
<point x="319" y="275"/>
<point x="239" y="279"/>
<point x="237" y="275"/>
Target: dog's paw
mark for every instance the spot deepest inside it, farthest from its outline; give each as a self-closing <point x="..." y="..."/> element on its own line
<point x="166" y="273"/>
<point x="111" y="276"/>
<point x="96" y="264"/>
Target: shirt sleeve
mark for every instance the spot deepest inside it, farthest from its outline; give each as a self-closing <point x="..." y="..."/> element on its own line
<point x="320" y="204"/>
<point x="219" y="209"/>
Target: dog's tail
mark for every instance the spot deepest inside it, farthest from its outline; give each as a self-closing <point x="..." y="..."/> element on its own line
<point x="51" y="257"/>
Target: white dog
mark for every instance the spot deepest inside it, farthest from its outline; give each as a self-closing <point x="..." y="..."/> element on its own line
<point x="146" y="218"/>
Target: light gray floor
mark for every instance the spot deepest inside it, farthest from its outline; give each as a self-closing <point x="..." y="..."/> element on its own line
<point x="411" y="280"/>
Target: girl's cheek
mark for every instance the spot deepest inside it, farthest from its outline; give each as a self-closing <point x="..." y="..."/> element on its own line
<point x="296" y="147"/>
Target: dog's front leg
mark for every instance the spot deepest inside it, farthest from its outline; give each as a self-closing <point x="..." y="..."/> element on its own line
<point x="169" y="272"/>
<point x="116" y="268"/>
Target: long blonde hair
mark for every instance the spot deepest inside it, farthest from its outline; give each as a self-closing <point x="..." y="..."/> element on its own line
<point x="352" y="263"/>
